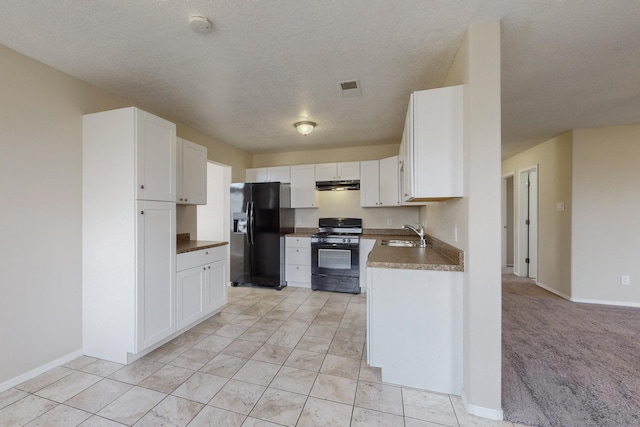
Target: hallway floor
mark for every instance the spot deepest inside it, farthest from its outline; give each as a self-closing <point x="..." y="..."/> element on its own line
<point x="288" y="358"/>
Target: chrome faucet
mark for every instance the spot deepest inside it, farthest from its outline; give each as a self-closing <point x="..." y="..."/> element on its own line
<point x="419" y="231"/>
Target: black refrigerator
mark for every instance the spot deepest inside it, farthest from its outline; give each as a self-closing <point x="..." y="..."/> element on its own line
<point x="261" y="215"/>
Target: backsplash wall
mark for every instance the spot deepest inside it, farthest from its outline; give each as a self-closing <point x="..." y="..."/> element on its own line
<point x="347" y="204"/>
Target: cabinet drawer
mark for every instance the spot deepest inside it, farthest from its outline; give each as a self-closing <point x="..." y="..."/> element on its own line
<point x="298" y="256"/>
<point x="298" y="242"/>
<point x="203" y="256"/>
<point x="299" y="273"/>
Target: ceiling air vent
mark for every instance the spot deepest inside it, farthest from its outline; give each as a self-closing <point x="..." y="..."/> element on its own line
<point x="350" y="88"/>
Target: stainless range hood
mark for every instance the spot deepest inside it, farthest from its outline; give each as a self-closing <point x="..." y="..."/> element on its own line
<point x="338" y="185"/>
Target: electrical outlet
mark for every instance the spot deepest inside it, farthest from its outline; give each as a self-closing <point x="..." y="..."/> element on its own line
<point x="625" y="280"/>
<point x="389" y="221"/>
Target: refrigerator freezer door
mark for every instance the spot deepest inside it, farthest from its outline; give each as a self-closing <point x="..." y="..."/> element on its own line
<point x="265" y="247"/>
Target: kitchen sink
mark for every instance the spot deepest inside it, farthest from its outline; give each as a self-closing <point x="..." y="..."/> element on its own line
<point x="400" y="243"/>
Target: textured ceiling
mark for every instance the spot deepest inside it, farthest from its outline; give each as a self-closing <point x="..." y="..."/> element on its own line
<point x="268" y="63"/>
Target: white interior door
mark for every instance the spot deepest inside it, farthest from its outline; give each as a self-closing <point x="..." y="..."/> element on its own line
<point x="527" y="224"/>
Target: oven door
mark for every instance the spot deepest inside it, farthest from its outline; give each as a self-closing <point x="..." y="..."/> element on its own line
<point x="335" y="267"/>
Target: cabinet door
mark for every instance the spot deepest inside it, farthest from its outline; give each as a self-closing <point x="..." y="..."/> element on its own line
<point x="407" y="151"/>
<point x="216" y="290"/>
<point x="179" y="196"/>
<point x="190" y="291"/>
<point x="326" y="172"/>
<point x="155" y="158"/>
<point x="156" y="271"/>
<point x="370" y="183"/>
<point x="279" y="174"/>
<point x="256" y="175"/>
<point x="303" y="187"/>
<point x="194" y="173"/>
<point x="348" y="170"/>
<point x="434" y="147"/>
<point x="389" y="182"/>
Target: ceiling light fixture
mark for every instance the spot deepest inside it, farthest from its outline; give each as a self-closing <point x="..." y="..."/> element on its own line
<point x="305" y="127"/>
<point x="200" y="24"/>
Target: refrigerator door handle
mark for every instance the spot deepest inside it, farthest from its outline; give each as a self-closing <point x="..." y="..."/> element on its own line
<point x="251" y="227"/>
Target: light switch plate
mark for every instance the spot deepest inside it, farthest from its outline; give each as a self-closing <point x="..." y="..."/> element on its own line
<point x="560" y="207"/>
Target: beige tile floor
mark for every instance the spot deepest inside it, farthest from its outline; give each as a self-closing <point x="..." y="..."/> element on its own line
<point x="288" y="358"/>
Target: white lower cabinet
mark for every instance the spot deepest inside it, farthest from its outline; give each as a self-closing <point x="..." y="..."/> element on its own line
<point x="414" y="327"/>
<point x="298" y="261"/>
<point x="190" y="301"/>
<point x="201" y="287"/>
<point x="156" y="272"/>
<point x="366" y="245"/>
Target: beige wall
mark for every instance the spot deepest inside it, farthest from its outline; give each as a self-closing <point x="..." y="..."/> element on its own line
<point x="553" y="158"/>
<point x="606" y="206"/>
<point x="348" y="154"/>
<point x="477" y="217"/>
<point x="41" y="179"/>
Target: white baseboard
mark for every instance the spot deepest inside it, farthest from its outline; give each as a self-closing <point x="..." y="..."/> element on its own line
<point x="587" y="300"/>
<point x="481" y="411"/>
<point x="40" y="370"/>
<point x="605" y="302"/>
<point x="553" y="291"/>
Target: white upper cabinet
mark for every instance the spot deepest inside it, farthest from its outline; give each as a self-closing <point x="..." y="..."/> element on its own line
<point x="379" y="182"/>
<point x="389" y="182"/>
<point x="370" y="183"/>
<point x="303" y="187"/>
<point x="431" y="147"/>
<point x="270" y="174"/>
<point x="191" y="173"/>
<point x="155" y="150"/>
<point x="279" y="174"/>
<point x="256" y="175"/>
<point x="338" y="171"/>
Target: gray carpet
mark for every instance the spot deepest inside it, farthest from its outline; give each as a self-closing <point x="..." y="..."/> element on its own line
<point x="567" y="364"/>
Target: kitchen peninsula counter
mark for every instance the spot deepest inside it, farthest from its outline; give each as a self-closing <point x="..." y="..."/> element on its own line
<point x="437" y="256"/>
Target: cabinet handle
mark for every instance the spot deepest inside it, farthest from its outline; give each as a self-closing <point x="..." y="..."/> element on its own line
<point x="206" y="253"/>
<point x="186" y="200"/>
<point x="180" y="198"/>
<point x="204" y="268"/>
<point x="142" y="187"/>
<point x="141" y="212"/>
<point x="209" y="268"/>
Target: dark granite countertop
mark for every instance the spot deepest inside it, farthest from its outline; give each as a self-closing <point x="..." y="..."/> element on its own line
<point x="185" y="244"/>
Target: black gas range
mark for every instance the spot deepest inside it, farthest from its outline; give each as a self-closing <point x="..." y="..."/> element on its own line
<point x="335" y="255"/>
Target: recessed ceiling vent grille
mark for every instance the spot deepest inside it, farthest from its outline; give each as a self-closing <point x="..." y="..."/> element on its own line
<point x="350" y="88"/>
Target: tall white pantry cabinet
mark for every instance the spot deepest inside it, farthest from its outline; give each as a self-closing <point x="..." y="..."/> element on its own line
<point x="129" y="233"/>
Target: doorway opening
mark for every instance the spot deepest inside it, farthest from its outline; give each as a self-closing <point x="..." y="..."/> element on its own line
<point x="508" y="222"/>
<point x="527" y="225"/>
<point x="213" y="218"/>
